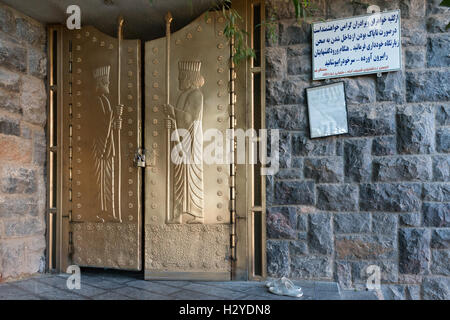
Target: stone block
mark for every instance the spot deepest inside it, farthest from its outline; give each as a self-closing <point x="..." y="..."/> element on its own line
<point x="413" y="8"/>
<point x="9" y="101"/>
<point x="281" y="223"/>
<point x="438" y="192"/>
<point x="406" y="168"/>
<point x="414" y="58"/>
<point x="437" y="24"/>
<point x="311" y="267"/>
<point x="390" y="197"/>
<point x="31" y="33"/>
<point x="352" y="223"/>
<point x="414" y="250"/>
<point x="276" y="62"/>
<point x="437" y="51"/>
<point x="277" y="258"/>
<point x="441" y="168"/>
<point x="443" y="140"/>
<point x="303" y="146"/>
<point x="413" y="32"/>
<point x="413" y="219"/>
<point x="294" y="192"/>
<point x="371" y="120"/>
<point x="9" y="127"/>
<point x="343" y="197"/>
<point x="436" y="214"/>
<point x="415" y="129"/>
<point x="37" y="63"/>
<point x="9" y="80"/>
<point x="320" y="234"/>
<point x="357" y="160"/>
<point x="440" y="262"/>
<point x="390" y="87"/>
<point x="324" y="170"/>
<point x="360" y="90"/>
<point x="384" y="223"/>
<point x="365" y="247"/>
<point x="440" y="238"/>
<point x="34" y="100"/>
<point x="292" y="32"/>
<point x="436" y="288"/>
<point x="15" y="150"/>
<point x="291" y="117"/>
<point x="443" y="115"/>
<point x="431" y="85"/>
<point x="12" y="56"/>
<point x="388" y="269"/>
<point x="384" y="146"/>
<point x="298" y="248"/>
<point x="7" y="21"/>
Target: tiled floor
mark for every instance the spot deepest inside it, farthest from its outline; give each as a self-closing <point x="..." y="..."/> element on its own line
<point x="97" y="285"/>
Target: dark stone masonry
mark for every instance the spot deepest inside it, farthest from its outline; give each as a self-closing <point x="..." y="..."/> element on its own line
<point x="23" y="99"/>
<point x="379" y="195"/>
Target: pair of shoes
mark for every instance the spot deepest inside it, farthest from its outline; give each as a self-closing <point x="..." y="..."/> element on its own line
<point x="284" y="287"/>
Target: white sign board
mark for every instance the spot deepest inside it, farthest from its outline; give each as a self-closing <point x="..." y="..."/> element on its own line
<point x="358" y="45"/>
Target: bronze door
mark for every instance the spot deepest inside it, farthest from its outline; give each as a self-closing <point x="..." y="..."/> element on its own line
<point x="187" y="200"/>
<point x="101" y="126"/>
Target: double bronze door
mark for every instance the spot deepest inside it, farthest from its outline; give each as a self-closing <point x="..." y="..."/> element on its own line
<point x="179" y="227"/>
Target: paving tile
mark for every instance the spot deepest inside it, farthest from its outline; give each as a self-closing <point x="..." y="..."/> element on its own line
<point x="326" y="286"/>
<point x="61" y="283"/>
<point x="101" y="283"/>
<point x="57" y="294"/>
<point x="214" y="291"/>
<point x="153" y="287"/>
<point x="327" y="295"/>
<point x="111" y="296"/>
<point x="9" y="292"/>
<point x="193" y="295"/>
<point x="173" y="283"/>
<point x="139" y="294"/>
<point x="358" y="295"/>
<point x="34" y="287"/>
<point x="234" y="285"/>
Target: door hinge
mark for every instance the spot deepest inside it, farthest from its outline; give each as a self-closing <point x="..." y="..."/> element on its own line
<point x="140" y="158"/>
<point x="70" y="242"/>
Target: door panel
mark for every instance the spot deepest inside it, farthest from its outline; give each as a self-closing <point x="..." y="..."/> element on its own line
<point x="102" y="183"/>
<point x="187" y="214"/>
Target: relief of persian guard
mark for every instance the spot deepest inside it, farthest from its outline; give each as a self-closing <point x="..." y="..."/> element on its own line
<point x="105" y="151"/>
<point x="187" y="147"/>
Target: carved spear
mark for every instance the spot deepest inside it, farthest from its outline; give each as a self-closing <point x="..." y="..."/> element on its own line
<point x="119" y="112"/>
<point x="168" y="120"/>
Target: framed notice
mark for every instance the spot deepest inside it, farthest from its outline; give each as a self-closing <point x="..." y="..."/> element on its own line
<point x="327" y="110"/>
<point x="358" y="45"/>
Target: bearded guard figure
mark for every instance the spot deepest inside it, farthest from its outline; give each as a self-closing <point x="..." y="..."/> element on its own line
<point x="187" y="151"/>
<point x="105" y="148"/>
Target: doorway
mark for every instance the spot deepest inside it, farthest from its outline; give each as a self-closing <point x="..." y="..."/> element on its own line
<point x="118" y="196"/>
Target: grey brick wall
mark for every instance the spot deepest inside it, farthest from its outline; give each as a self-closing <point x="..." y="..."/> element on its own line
<point x="380" y="194"/>
<point x="22" y="144"/>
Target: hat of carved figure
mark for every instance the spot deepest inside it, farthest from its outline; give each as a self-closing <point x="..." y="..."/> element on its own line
<point x="101" y="72"/>
<point x="101" y="76"/>
<point x="189" y="74"/>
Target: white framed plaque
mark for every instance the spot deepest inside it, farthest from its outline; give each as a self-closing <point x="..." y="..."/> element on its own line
<point x="357" y="45"/>
<point x="327" y="110"/>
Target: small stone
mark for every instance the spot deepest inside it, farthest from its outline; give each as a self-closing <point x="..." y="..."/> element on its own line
<point x="9" y="101"/>
<point x="297" y="248"/>
<point x="281" y="223"/>
<point x="18" y="181"/>
<point x="352" y="223"/>
<point x="37" y="63"/>
<point x="332" y="197"/>
<point x="9" y="127"/>
<point x="9" y="80"/>
<point x="414" y="252"/>
<point x="436" y="214"/>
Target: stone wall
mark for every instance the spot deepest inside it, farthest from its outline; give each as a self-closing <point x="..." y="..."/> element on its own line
<point x="22" y="144"/>
<point x="379" y="195"/>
